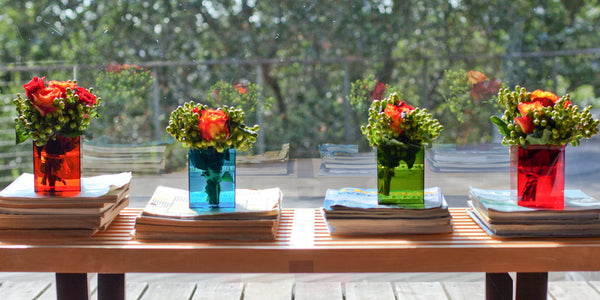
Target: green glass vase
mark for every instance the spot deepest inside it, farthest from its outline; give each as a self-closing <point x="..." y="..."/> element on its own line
<point x="400" y="175"/>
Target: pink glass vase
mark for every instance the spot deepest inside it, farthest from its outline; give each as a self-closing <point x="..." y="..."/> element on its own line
<point x="57" y="166"/>
<point x="538" y="176"/>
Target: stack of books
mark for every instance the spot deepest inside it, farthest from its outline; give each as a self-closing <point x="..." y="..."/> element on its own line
<point x="24" y="212"/>
<point x="168" y="216"/>
<point x="353" y="211"/>
<point x="500" y="216"/>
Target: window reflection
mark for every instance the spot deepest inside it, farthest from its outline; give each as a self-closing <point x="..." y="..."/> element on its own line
<point x="306" y="56"/>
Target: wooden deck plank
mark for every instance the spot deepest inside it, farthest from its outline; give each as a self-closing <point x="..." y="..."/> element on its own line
<point x="135" y="290"/>
<point x="23" y="289"/>
<point x="318" y="291"/>
<point x="270" y="291"/>
<point x="420" y="291"/>
<point x="169" y="290"/>
<point x="369" y="291"/>
<point x="571" y="290"/>
<point x="465" y="290"/>
<point x="49" y="293"/>
<point x="218" y="291"/>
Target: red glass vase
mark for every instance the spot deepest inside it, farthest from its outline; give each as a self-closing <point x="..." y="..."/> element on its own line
<point x="57" y="166"/>
<point x="538" y="176"/>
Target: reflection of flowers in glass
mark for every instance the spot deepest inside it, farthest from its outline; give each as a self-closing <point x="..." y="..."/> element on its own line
<point x="469" y="98"/>
<point x="542" y="118"/>
<point x="481" y="87"/>
<point x="378" y="91"/>
<point x="54" y="107"/>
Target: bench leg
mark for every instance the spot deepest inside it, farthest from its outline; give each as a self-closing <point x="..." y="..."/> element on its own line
<point x="72" y="286"/>
<point x="532" y="286"/>
<point x="498" y="286"/>
<point x="111" y="286"/>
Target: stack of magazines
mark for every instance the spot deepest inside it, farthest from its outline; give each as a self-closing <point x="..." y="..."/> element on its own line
<point x="500" y="216"/>
<point x="168" y="216"/>
<point x="354" y="211"/>
<point x="24" y="212"/>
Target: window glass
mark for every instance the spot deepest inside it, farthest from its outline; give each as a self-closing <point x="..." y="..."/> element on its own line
<point x="311" y="60"/>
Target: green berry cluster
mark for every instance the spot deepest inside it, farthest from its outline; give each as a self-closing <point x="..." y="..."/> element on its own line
<point x="560" y="124"/>
<point x="70" y="119"/>
<point x="418" y="127"/>
<point x="184" y="126"/>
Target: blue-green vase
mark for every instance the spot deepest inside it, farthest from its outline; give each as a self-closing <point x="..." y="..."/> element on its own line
<point x="211" y="176"/>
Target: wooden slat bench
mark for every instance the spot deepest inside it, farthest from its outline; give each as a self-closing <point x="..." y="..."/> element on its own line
<point x="303" y="245"/>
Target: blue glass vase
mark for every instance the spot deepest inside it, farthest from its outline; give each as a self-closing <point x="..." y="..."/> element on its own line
<point x="211" y="176"/>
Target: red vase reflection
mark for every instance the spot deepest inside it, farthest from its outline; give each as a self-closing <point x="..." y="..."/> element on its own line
<point x="57" y="166"/>
<point x="538" y="175"/>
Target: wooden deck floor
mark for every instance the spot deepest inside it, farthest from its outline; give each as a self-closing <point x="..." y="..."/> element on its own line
<point x="298" y="290"/>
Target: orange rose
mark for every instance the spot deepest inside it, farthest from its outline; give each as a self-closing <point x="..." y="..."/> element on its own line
<point x="33" y="86"/>
<point x="63" y="85"/>
<point x="395" y="113"/>
<point x="546" y="98"/>
<point x="213" y="123"/>
<point x="527" y="107"/>
<point x="476" y="77"/>
<point x="43" y="99"/>
<point x="526" y="124"/>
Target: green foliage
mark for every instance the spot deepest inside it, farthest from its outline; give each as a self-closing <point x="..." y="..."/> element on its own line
<point x="559" y="124"/>
<point x="408" y="43"/>
<point x="127" y="110"/>
<point x="70" y="119"/>
<point x="184" y="126"/>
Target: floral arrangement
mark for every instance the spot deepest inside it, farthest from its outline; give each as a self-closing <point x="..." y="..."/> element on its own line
<point x="54" y="108"/>
<point x="199" y="127"/>
<point x="542" y="118"/>
<point x="394" y="124"/>
<point x="469" y="98"/>
<point x="399" y="131"/>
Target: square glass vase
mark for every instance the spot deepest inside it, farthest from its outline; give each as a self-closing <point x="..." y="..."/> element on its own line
<point x="537" y="177"/>
<point x="402" y="184"/>
<point x="57" y="166"/>
<point x="211" y="178"/>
